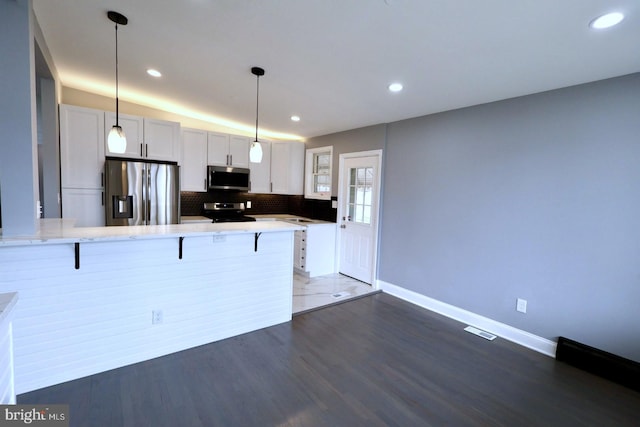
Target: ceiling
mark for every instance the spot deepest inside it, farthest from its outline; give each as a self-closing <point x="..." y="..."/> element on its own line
<point x="330" y="61"/>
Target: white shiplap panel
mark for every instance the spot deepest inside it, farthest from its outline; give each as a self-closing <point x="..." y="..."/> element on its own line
<point x="72" y="323"/>
<point x="7" y="393"/>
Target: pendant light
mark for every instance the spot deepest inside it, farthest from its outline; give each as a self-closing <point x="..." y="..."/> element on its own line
<point x="255" y="152"/>
<point x="116" y="141"/>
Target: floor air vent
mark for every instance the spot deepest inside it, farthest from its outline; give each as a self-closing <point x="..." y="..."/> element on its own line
<point x="340" y="294"/>
<point x="615" y="368"/>
<point x="480" y="333"/>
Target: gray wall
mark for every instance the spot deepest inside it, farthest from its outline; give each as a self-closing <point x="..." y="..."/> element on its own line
<point x="18" y="147"/>
<point x="363" y="139"/>
<point x="536" y="197"/>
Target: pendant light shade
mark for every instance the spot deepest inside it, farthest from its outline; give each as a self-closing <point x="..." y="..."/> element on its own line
<point x="116" y="141"/>
<point x="255" y="152"/>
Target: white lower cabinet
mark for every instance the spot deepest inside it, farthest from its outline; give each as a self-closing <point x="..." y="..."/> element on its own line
<point x="314" y="250"/>
<point x="300" y="250"/>
<point x="86" y="206"/>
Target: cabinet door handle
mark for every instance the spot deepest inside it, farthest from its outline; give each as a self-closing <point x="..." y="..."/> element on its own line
<point x="205" y="184"/>
<point x="141" y="155"/>
<point x="146" y="148"/>
<point x="103" y="198"/>
<point x="230" y="159"/>
<point x="271" y="187"/>
<point x="102" y="179"/>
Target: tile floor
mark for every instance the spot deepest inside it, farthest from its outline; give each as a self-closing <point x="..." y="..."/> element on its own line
<point x="311" y="293"/>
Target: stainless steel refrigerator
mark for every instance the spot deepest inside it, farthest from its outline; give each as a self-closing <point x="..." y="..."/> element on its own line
<point x="141" y="193"/>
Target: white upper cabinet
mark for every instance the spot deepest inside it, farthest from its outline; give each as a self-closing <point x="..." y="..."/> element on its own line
<point x="194" y="160"/>
<point x="239" y="150"/>
<point x="228" y="150"/>
<point x="146" y="138"/>
<point x="81" y="165"/>
<point x="161" y="140"/>
<point x="261" y="172"/>
<point x="218" y="148"/>
<point x="81" y="147"/>
<point x="287" y="168"/>
<point x="132" y="126"/>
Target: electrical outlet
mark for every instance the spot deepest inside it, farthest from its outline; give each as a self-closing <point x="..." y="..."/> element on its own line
<point x="219" y="238"/>
<point x="248" y="204"/>
<point x="156" y="317"/>
<point x="521" y="305"/>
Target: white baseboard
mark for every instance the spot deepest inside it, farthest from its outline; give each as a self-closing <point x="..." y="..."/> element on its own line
<point x="518" y="336"/>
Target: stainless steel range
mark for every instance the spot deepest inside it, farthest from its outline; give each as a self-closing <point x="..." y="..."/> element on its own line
<point x="226" y="212"/>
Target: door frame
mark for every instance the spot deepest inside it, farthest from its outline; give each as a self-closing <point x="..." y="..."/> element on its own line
<point x="377" y="197"/>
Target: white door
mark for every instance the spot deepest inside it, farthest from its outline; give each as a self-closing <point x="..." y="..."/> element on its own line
<point x="359" y="195"/>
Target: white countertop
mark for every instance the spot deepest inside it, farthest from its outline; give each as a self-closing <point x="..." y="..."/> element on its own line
<point x="58" y="231"/>
<point x="290" y="218"/>
<point x="192" y="219"/>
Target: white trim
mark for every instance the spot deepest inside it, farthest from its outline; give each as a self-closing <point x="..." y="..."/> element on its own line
<point x="309" y="191"/>
<point x="518" y="336"/>
<point x="377" y="201"/>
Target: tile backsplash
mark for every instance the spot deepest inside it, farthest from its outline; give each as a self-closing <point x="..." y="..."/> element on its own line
<point x="191" y="204"/>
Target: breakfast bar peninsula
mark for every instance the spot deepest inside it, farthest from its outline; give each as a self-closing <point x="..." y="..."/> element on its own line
<point x="97" y="298"/>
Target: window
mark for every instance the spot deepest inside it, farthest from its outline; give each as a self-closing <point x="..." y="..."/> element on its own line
<point x="318" y="173"/>
<point x="360" y="187"/>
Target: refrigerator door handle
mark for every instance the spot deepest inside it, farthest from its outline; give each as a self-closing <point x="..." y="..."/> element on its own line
<point x="145" y="193"/>
<point x="148" y="198"/>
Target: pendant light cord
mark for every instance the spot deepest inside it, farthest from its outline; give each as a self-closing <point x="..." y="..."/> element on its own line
<point x="257" y="100"/>
<point x="117" y="124"/>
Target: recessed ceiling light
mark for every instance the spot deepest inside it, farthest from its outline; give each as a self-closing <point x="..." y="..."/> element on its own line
<point x="295" y="118"/>
<point x="606" y="21"/>
<point x="395" y="87"/>
<point x="154" y="73"/>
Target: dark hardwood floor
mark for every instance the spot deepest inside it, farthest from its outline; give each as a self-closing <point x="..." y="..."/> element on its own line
<point x="374" y="361"/>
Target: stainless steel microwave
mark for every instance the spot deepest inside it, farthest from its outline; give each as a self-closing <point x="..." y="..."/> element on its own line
<point x="227" y="178"/>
